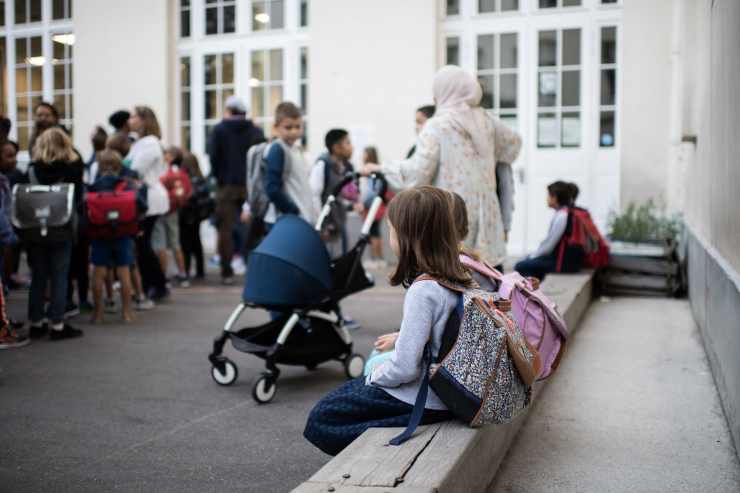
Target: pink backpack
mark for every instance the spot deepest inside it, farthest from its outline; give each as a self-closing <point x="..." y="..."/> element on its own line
<point x="535" y="313"/>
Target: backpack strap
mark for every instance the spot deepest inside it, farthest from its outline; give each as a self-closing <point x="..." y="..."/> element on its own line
<point x="443" y="283"/>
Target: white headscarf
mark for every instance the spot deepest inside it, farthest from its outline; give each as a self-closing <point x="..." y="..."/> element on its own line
<point x="457" y="95"/>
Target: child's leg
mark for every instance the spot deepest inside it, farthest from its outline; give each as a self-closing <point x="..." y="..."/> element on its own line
<point x="537" y="267"/>
<point x="100" y="278"/>
<point x="136" y="281"/>
<point x="162" y="255"/>
<point x="345" y="413"/>
<point x="200" y="270"/>
<point x="124" y="274"/>
<point x="109" y="278"/>
<point x="180" y="263"/>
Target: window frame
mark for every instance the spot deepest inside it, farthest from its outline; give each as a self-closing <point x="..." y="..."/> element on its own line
<point x="268" y="8"/>
<point x="559" y="6"/>
<point x="266" y="118"/>
<point x="600" y="68"/>
<point x="497" y="10"/>
<point x="219" y="87"/>
<point x="496" y="71"/>
<point x="220" y="7"/>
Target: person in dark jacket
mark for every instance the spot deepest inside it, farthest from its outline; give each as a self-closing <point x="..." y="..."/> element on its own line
<point x="227" y="149"/>
<point x="46" y="116"/>
<point x="54" y="161"/>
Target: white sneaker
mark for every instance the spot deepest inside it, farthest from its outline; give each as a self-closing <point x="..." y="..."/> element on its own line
<point x="238" y="266"/>
<point x="144" y="304"/>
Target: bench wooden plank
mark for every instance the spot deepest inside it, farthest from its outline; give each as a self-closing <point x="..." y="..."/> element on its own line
<point x="449" y="457"/>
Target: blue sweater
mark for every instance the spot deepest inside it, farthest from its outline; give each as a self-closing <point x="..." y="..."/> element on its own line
<point x="275" y="164"/>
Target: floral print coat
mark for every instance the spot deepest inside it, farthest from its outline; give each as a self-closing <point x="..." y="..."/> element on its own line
<point x="447" y="158"/>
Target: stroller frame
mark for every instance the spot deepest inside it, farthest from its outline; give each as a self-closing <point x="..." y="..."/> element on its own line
<point x="224" y="371"/>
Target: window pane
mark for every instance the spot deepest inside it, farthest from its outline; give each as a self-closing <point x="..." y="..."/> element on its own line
<point x="58" y="50"/>
<point x="486" y="84"/>
<point x="509" y="5"/>
<point x="547" y="48"/>
<point x="608" y="86"/>
<point x="571" y="128"/>
<point x="60" y="104"/>
<point x="57" y="9"/>
<point x="21" y="81"/>
<point x="304" y="97"/>
<point x="258" y="66"/>
<point x="185" y="137"/>
<point x="485" y="51"/>
<point x="212" y="20"/>
<point x="510" y="121"/>
<point x="211" y="104"/>
<point x="20" y="50"/>
<point x="229" y="19"/>
<point x="608" y="1"/>
<point x="304" y="63"/>
<point x="23" y="138"/>
<point x="258" y="102"/>
<point x="277" y="14"/>
<point x="226" y="94"/>
<point x="571" y="47"/>
<point x="507" y="90"/>
<point x="486" y="6"/>
<point x="276" y="97"/>
<point x="508" y="51"/>
<point x="547" y="130"/>
<point x="185" y="105"/>
<point x="260" y="17"/>
<point x="453" y="7"/>
<point x="37" y="78"/>
<point x="276" y="64"/>
<point x="571" y="3"/>
<point x="227" y="68"/>
<point x="209" y="64"/>
<point x="452" y="56"/>
<point x="547" y="89"/>
<point x="20" y="12"/>
<point x="304" y="13"/>
<point x="35" y="15"/>
<point x="185" y="72"/>
<point x="548" y="4"/>
<point x="606" y="129"/>
<point x="58" y="78"/>
<point x="571" y="88"/>
<point x="36" y="46"/>
<point x="608" y="45"/>
<point x="2" y="15"/>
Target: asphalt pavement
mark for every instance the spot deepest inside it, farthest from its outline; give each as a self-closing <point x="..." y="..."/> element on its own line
<point x="134" y="408"/>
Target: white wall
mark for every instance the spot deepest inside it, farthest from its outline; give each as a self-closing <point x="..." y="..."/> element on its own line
<point x="646" y="99"/>
<point x="120" y="60"/>
<point x="371" y="65"/>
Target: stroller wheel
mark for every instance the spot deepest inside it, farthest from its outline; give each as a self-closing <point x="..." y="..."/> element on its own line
<point x="264" y="390"/>
<point x="227" y="376"/>
<point x="354" y="366"/>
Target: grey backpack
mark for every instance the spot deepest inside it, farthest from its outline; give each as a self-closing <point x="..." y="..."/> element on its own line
<point x="44" y="213"/>
<point x="485" y="367"/>
<point x="257" y="197"/>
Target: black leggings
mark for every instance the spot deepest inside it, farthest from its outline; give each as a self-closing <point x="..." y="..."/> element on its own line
<point x="79" y="270"/>
<point x="152" y="276"/>
<point x="192" y="248"/>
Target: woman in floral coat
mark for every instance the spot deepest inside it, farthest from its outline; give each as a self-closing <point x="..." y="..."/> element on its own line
<point x="458" y="150"/>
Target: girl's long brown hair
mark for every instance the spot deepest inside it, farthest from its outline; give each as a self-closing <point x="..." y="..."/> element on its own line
<point x="427" y="238"/>
<point x="149" y="122"/>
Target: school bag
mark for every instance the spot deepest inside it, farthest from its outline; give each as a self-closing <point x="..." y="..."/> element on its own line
<point x="44" y="213"/>
<point x="536" y="314"/>
<point x="179" y="189"/>
<point x="583" y="239"/>
<point x="201" y="204"/>
<point x="257" y="197"/>
<point x="485" y="367"/>
<point x="113" y="214"/>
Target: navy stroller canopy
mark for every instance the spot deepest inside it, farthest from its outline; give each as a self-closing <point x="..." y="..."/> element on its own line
<point x="290" y="268"/>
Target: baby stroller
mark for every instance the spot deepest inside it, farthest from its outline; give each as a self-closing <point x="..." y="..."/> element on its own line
<point x="290" y="275"/>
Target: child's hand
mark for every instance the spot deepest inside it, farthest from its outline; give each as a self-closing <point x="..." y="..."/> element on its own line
<point x="386" y="342"/>
<point x="246" y="217"/>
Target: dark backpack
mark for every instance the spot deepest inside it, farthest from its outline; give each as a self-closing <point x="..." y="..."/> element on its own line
<point x="201" y="204"/>
<point x="582" y="242"/>
<point x="44" y="213"/>
<point x="257" y="197"/>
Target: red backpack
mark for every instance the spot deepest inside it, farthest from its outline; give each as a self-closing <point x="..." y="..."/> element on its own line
<point x="583" y="234"/>
<point x="179" y="188"/>
<point x="112" y="214"/>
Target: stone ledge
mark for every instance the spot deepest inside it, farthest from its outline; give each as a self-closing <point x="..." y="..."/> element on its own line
<point x="447" y="457"/>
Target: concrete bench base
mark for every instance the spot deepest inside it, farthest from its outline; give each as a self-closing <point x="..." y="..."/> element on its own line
<point x="447" y="457"/>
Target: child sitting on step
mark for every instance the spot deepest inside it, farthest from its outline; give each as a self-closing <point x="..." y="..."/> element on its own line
<point x="423" y="236"/>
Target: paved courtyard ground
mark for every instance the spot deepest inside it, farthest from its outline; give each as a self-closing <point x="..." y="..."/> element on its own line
<point x="133" y="408"/>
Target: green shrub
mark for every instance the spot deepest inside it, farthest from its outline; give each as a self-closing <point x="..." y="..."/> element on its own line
<point x="644" y="223"/>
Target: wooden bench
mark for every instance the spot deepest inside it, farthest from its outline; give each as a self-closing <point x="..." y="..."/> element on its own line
<point x="447" y="457"/>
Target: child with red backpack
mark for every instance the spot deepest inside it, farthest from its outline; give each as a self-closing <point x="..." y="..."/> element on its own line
<point x="166" y="234"/>
<point x="113" y="210"/>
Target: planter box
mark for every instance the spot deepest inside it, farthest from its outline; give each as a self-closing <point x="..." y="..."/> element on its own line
<point x="648" y="268"/>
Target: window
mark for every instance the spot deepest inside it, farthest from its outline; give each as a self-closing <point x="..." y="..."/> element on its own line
<point x="304" y="13"/>
<point x="29" y="61"/>
<point x="498" y="63"/>
<point x="219" y="85"/>
<point x="304" y="93"/>
<point x="220" y="16"/>
<point x="609" y="1"/>
<point x="551" y="4"/>
<point x="27" y="11"/>
<point x="559" y="88"/>
<point x="453" y="7"/>
<point x="2" y="14"/>
<point x="268" y="14"/>
<point x="266" y="84"/>
<point x="185" y="102"/>
<point x="61" y="9"/>
<point x="486" y="6"/>
<point x="452" y="52"/>
<point x="3" y="81"/>
<point x="62" y="66"/>
<point x="608" y="82"/>
<point x="184" y="18"/>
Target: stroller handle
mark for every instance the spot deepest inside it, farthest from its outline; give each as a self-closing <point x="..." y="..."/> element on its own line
<point x="352" y="176"/>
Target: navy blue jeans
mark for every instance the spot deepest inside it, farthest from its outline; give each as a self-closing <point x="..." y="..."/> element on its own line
<point x="49" y="264"/>
<point x="537" y="267"/>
